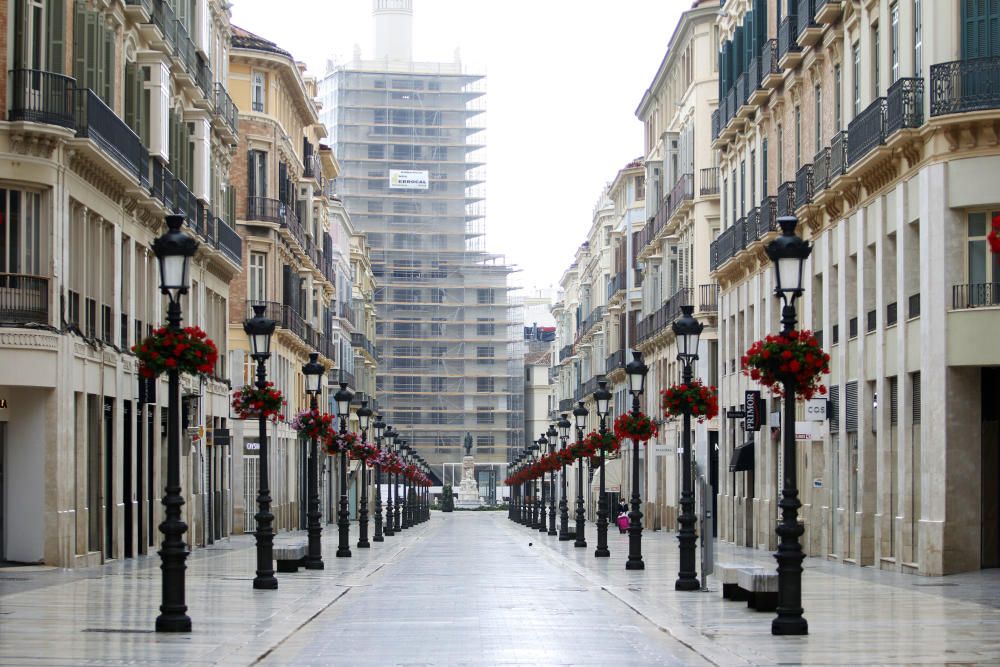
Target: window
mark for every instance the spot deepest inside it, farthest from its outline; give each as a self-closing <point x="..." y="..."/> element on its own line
<point x="257" y="91"/>
<point x="983" y="267"/>
<point x="876" y="56"/>
<point x="640" y="187"/>
<point x="257" y="174"/>
<point x="484" y="355"/>
<point x="485" y="296"/>
<point x="485" y="444"/>
<point x="258" y="276"/>
<point x="856" y="51"/>
<point x="894" y="41"/>
<point x="818" y="122"/>
<point x="484" y="385"/>
<point x="437" y="384"/>
<point x="406" y="383"/>
<point x="753" y="177"/>
<point x="20" y="233"/>
<point x="798" y="137"/>
<point x="763" y="167"/>
<point x="484" y="415"/>
<point x="376" y="151"/>
<point x="438" y="351"/>
<point x="918" y="38"/>
<point x="93" y="49"/>
<point x="437" y="295"/>
<point x="781" y="153"/>
<point x="838" y="90"/>
<point x="485" y="327"/>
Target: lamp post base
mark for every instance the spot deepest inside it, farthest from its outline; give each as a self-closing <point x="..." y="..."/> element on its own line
<point x="635" y="565"/>
<point x="313" y="565"/>
<point x="173" y="623"/>
<point x="687" y="584"/>
<point x="265" y="583"/>
<point x="602" y="553"/>
<point x="790" y="625"/>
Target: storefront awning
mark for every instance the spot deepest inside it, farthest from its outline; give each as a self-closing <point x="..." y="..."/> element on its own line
<point x="742" y="458"/>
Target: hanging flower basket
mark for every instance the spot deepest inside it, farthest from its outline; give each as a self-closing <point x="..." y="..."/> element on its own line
<point x="313" y="424"/>
<point x="701" y="400"/>
<point x="250" y="402"/>
<point x="341" y="442"/>
<point x="362" y="451"/>
<point x="390" y="463"/>
<point x="566" y="456"/>
<point x="186" y="350"/>
<point x="608" y="442"/>
<point x="635" y="426"/>
<point x="797" y="357"/>
<point x="994" y="236"/>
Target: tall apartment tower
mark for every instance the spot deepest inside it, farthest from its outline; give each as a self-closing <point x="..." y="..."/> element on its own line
<point x="408" y="138"/>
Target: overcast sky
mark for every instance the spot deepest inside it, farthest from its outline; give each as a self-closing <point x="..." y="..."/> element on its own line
<point x="563" y="80"/>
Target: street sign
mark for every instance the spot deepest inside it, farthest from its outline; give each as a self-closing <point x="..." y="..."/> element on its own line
<point x="753" y="408"/>
<point x="736" y="414"/>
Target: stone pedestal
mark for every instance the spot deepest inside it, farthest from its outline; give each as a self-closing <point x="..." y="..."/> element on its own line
<point x="468" y="490"/>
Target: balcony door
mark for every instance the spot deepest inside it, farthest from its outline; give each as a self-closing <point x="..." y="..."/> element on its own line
<point x="30" y="51"/>
<point x="980" y="29"/>
<point x="982" y="266"/>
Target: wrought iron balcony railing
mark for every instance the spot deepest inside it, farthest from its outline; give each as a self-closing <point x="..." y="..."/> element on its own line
<point x="904" y="105"/>
<point x="838" y="154"/>
<point x="754" y="76"/>
<point x="41" y="97"/>
<point x="24" y="299"/>
<point x="965" y="85"/>
<point x="225" y="108"/>
<point x="787" y="36"/>
<point x="807" y="16"/>
<point x="803" y="185"/>
<point x="769" y="59"/>
<point x="228" y="241"/>
<point x="786" y="199"/>
<point x="975" y="295"/>
<point x="709" y="181"/>
<point x="867" y="131"/>
<point x="716" y="125"/>
<point x="565" y="352"/>
<point x="615" y="361"/>
<point x="708" y="298"/>
<point x="821" y="171"/>
<point x="96" y="121"/>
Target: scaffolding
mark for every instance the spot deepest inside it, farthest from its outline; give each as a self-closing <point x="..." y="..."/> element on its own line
<point x="449" y="334"/>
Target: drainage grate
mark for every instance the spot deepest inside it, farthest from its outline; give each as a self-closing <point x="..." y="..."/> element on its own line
<point x="14" y="579"/>
<point x="934" y="585"/>
<point x="118" y="630"/>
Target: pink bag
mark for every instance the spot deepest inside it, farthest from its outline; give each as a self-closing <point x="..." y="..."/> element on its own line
<point x="623" y="522"/>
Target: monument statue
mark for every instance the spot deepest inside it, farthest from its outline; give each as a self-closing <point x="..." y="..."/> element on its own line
<point x="468" y="490"/>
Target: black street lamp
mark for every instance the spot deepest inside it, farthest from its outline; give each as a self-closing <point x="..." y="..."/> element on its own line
<point x="636" y="371"/>
<point x="260" y="329"/>
<point x="603" y="399"/>
<point x="379" y="427"/>
<point x="789" y="252"/>
<point x="342" y="399"/>
<point x="390" y="446"/>
<point x="687" y="331"/>
<point x="401" y="452"/>
<point x="364" y="421"/>
<point x="564" y="534"/>
<point x="552" y="435"/>
<point x="314" y="373"/>
<point x="174" y="251"/>
<point x="540" y="447"/>
<point x="405" y="509"/>
<point x="580" y="416"/>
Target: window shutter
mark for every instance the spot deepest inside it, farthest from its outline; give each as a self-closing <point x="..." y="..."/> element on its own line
<point x="973" y="29"/>
<point x="251" y="175"/>
<point x="916" y="397"/>
<point x="851" y="399"/>
<point x="282" y="182"/>
<point x="56" y="33"/>
<point x="835" y="408"/>
<point x="289" y="288"/>
<point x="893" y="400"/>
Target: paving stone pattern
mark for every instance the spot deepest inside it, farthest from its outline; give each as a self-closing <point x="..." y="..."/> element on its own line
<point x="467" y="589"/>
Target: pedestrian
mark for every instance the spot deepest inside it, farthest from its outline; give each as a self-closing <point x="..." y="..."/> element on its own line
<point x="622" y="520"/>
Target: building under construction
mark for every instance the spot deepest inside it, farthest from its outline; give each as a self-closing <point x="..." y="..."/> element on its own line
<point x="410" y="147"/>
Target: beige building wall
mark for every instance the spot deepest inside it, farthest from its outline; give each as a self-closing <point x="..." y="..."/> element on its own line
<point x="893" y="199"/>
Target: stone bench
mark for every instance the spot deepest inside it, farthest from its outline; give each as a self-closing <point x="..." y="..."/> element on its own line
<point x="761" y="586"/>
<point x="727" y="574"/>
<point x="289" y="556"/>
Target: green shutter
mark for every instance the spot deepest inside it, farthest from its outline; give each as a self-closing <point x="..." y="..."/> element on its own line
<point x="131" y="101"/>
<point x="79" y="45"/>
<point x="19" y="23"/>
<point x="56" y="34"/>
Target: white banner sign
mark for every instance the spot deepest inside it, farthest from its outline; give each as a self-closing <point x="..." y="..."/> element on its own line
<point x="807" y="430"/>
<point x="406" y="179"/>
